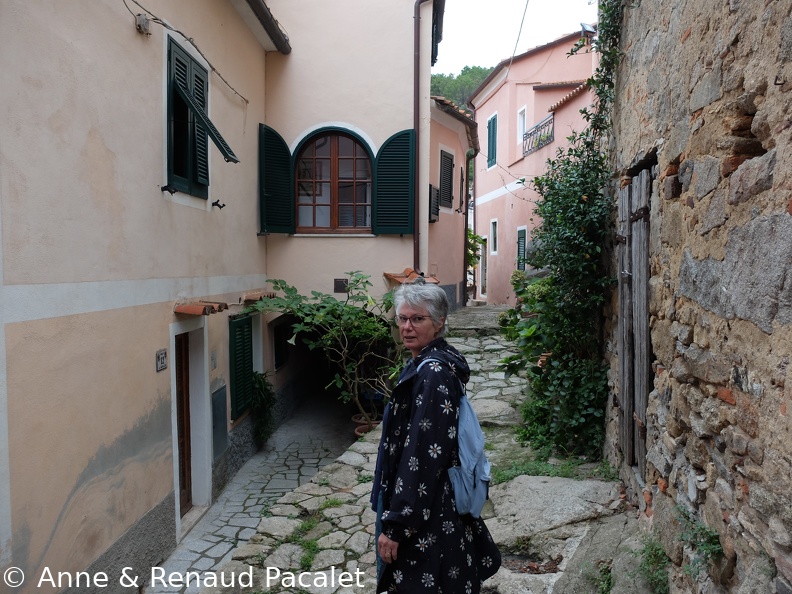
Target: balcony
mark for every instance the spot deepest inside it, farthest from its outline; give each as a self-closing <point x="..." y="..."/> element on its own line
<point x="540" y="135"/>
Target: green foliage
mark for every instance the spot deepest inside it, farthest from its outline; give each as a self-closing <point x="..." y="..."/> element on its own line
<point x="566" y="407"/>
<point x="354" y="334"/>
<point x="473" y="249"/>
<point x="556" y="321"/>
<point x="262" y="406"/>
<point x="459" y="88"/>
<point x="607" y="472"/>
<point x="703" y="540"/>
<point x="600" y="577"/>
<point x="567" y="469"/>
<point x="330" y="503"/>
<point x="654" y="565"/>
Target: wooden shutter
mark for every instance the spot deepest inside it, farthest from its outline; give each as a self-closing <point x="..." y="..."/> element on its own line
<point x="434" y="204"/>
<point x="492" y="141"/>
<point x="446" y="179"/>
<point x="521" y="235"/>
<point x="276" y="183"/>
<point x="240" y="339"/>
<point x="202" y="120"/>
<point x="199" y="91"/>
<point x="394" y="187"/>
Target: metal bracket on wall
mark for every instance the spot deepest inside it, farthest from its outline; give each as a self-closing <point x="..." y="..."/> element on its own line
<point x="641" y="213"/>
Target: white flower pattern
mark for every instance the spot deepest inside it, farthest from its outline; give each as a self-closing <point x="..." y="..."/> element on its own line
<point x="419" y="444"/>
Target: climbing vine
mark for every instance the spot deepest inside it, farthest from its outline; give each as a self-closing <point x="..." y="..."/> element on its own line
<point x="555" y="322"/>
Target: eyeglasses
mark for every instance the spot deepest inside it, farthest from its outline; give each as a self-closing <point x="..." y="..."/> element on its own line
<point x="414" y="320"/>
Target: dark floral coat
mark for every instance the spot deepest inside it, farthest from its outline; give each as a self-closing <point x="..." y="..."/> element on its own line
<point x="439" y="550"/>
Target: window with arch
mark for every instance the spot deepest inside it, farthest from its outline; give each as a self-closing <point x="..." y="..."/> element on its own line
<point x="334" y="185"/>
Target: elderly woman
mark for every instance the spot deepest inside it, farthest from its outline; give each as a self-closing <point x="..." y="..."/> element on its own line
<point x="423" y="544"/>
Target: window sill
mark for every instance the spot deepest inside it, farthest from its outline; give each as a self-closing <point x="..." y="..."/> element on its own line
<point x="348" y="235"/>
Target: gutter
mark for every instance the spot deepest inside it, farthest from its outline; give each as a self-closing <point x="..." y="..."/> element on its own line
<point x="416" y="123"/>
<point x="271" y="26"/>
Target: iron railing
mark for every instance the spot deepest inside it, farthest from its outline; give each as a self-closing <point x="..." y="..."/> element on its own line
<point x="540" y="135"/>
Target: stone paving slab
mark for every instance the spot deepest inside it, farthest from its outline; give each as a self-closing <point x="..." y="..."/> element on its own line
<point x="319" y="536"/>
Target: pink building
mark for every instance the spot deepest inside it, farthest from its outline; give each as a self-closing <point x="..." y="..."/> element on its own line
<point x="528" y="106"/>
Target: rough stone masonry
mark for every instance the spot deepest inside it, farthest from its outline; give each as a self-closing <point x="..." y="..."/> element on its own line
<point x="703" y="95"/>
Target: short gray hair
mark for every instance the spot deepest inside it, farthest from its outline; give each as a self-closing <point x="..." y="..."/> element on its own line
<point x="428" y="296"/>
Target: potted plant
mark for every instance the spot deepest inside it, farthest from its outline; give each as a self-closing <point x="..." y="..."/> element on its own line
<point x="354" y="334"/>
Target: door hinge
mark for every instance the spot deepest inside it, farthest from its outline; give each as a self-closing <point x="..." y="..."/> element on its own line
<point x="641" y="213"/>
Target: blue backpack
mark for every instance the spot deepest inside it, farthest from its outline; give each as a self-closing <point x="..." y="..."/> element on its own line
<point x="471" y="478"/>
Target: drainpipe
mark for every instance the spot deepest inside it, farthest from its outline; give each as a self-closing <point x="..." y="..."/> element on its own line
<point x="416" y="123"/>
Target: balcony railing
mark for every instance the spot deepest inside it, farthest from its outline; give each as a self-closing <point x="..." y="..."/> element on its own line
<point x="540" y="135"/>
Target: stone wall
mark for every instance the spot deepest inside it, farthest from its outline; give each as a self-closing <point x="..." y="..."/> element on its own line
<point x="704" y="91"/>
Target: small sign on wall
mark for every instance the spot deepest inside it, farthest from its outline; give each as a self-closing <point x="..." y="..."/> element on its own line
<point x="162" y="359"/>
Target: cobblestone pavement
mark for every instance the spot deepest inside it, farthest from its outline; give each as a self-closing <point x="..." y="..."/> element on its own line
<point x="318" y="536"/>
<point x="314" y="436"/>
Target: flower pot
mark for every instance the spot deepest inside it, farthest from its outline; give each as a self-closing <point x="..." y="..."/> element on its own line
<point x="360" y="419"/>
<point x="361" y="430"/>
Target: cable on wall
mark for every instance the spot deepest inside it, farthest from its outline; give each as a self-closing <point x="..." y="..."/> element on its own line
<point x="159" y="21"/>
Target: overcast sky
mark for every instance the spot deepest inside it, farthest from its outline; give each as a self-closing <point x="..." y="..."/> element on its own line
<point x="484" y="32"/>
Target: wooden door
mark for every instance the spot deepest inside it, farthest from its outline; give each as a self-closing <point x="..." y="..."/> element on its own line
<point x="182" y="363"/>
<point x="635" y="371"/>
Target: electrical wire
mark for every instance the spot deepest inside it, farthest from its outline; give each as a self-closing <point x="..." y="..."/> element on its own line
<point x="519" y="33"/>
<point x="159" y="21"/>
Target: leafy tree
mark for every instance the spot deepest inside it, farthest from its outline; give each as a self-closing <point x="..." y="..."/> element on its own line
<point x="556" y="323"/>
<point x="459" y="88"/>
<point x="354" y="334"/>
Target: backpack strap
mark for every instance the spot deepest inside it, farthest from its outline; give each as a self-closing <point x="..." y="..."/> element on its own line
<point x="459" y="381"/>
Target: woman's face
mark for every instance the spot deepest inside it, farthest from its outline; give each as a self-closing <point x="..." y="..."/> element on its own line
<point x="414" y="334"/>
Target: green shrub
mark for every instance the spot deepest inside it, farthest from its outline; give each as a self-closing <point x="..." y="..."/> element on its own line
<point x="703" y="540"/>
<point x="654" y="565"/>
<point x="557" y="322"/>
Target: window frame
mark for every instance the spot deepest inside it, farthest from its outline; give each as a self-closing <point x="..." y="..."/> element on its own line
<point x="522" y="124"/>
<point x="393" y="206"/>
<point x="492" y="141"/>
<point x="360" y="153"/>
<point x="446" y="181"/>
<point x="187" y="89"/>
<point x="493" y="237"/>
<point x="522" y="249"/>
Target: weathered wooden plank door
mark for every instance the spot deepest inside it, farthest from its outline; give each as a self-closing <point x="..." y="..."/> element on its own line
<point x="625" y="344"/>
<point x="635" y="372"/>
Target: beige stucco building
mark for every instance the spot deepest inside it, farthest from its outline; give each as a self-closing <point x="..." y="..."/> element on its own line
<point x="132" y="240"/>
<point x="528" y="106"/>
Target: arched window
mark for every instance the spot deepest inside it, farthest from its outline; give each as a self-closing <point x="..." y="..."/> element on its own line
<point x="334" y="185"/>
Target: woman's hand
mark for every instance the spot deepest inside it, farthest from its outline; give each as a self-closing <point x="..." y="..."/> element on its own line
<point x="387" y="548"/>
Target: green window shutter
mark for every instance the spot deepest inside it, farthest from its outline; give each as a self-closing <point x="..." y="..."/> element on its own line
<point x="492" y="141"/>
<point x="394" y="187"/>
<point x="521" y="234"/>
<point x="446" y="179"/>
<point x="199" y="88"/>
<point x="240" y="342"/>
<point x="179" y="154"/>
<point x="206" y="123"/>
<point x="276" y="183"/>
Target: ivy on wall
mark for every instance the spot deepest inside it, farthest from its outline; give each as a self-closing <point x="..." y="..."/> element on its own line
<point x="557" y="320"/>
